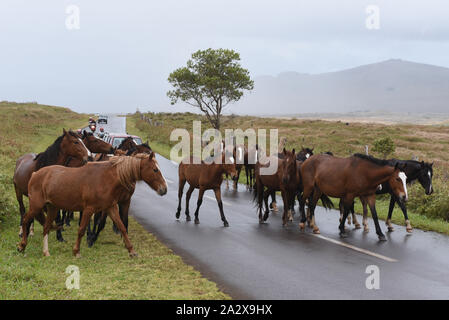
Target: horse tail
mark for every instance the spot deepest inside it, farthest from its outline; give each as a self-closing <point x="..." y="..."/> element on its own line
<point x="327" y="203"/>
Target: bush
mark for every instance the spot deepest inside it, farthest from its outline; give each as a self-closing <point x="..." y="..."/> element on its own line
<point x="7" y="204"/>
<point x="384" y="146"/>
<point x="435" y="205"/>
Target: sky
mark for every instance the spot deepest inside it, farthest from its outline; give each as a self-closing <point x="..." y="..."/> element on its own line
<point x="120" y="57"/>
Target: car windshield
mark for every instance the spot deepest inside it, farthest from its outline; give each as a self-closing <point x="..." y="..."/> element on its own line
<point x="137" y="141"/>
<point x="117" y="141"/>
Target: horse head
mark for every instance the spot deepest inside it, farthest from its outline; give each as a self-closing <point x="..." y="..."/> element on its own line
<point x="96" y="145"/>
<point x="304" y="154"/>
<point x="288" y="166"/>
<point x="398" y="182"/>
<point x="228" y="164"/>
<point x="71" y="145"/>
<point x="150" y="172"/>
<point x="425" y="176"/>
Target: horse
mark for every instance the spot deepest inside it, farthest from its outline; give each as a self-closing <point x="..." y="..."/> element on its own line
<point x="285" y="179"/>
<point x="347" y="178"/>
<point x="302" y="156"/>
<point x="91" y="188"/>
<point x="65" y="146"/>
<point x="203" y="176"/>
<point x="240" y="154"/>
<point x="414" y="170"/>
<point x="93" y="145"/>
<point x="123" y="206"/>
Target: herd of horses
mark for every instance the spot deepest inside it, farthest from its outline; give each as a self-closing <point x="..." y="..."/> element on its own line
<point x="80" y="172"/>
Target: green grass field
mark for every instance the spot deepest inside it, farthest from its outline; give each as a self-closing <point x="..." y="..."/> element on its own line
<point x="428" y="143"/>
<point x="106" y="270"/>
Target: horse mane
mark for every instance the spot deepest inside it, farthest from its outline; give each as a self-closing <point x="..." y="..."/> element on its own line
<point x="50" y="156"/>
<point x="371" y="159"/>
<point x="128" y="169"/>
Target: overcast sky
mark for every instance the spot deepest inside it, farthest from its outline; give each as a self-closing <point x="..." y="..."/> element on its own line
<point x="120" y="57"/>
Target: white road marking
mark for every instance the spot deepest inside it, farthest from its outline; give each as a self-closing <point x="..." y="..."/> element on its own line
<point x="212" y="198"/>
<point x="349" y="246"/>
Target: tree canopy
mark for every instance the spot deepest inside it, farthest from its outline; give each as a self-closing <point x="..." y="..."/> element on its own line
<point x="211" y="80"/>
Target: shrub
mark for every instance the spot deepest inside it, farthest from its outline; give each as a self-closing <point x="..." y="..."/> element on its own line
<point x="384" y="146"/>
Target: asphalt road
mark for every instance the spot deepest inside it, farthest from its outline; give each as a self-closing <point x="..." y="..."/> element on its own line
<point x="249" y="260"/>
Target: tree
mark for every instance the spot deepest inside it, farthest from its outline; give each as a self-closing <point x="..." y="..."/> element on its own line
<point x="384" y="146"/>
<point x="211" y="80"/>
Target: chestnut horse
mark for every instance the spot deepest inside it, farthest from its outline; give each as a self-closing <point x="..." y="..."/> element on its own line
<point x="94" y="145"/>
<point x="204" y="177"/>
<point x="65" y="146"/>
<point x="123" y="206"/>
<point x="347" y="178"/>
<point x="95" y="187"/>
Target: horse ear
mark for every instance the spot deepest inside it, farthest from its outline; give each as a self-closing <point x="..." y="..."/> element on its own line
<point x="148" y="143"/>
<point x="284" y="151"/>
<point x="293" y="151"/>
<point x="63" y="131"/>
<point x="431" y="165"/>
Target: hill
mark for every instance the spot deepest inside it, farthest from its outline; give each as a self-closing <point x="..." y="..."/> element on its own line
<point x="393" y="85"/>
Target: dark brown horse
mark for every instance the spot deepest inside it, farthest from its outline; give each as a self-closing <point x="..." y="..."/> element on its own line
<point x="285" y="179"/>
<point x="66" y="146"/>
<point x="95" y="187"/>
<point x="347" y="178"/>
<point x="204" y="177"/>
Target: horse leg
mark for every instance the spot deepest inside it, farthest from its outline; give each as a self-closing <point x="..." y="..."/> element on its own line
<point x="60" y="223"/>
<point x="372" y="206"/>
<point x="365" y="214"/>
<point x="52" y="214"/>
<point x="266" y="194"/>
<point x="81" y="217"/>
<point x="273" y="204"/>
<point x="390" y="212"/>
<point x="113" y="213"/>
<point x="99" y="222"/>
<point x="227" y="181"/>
<point x="123" y="209"/>
<point x="86" y="215"/>
<point x="305" y="195"/>
<point x="198" y="205"/>
<point x="19" y="197"/>
<point x="312" y="204"/>
<point x="354" y="217"/>
<point x="188" y="195"/>
<point x="346" y="209"/>
<point x="408" y="226"/>
<point x="286" y="202"/>
<point x="33" y="211"/>
<point x="91" y="233"/>
<point x="220" y="206"/>
<point x="182" y="182"/>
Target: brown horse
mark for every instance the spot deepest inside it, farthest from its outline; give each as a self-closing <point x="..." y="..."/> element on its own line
<point x="285" y="179"/>
<point x="92" y="188"/>
<point x="65" y="146"/>
<point x="123" y="206"/>
<point x="204" y="177"/>
<point x="347" y="178"/>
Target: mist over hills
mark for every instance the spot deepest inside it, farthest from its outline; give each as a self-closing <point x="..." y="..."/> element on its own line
<point x="393" y="85"/>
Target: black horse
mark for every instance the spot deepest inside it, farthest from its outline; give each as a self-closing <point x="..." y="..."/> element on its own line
<point x="415" y="170"/>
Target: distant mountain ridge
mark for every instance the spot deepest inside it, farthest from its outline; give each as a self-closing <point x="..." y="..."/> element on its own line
<point x="393" y="85"/>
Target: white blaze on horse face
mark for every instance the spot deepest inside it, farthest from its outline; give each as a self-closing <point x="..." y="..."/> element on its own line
<point x="231" y="160"/>
<point x="88" y="151"/>
<point x="403" y="177"/>
<point x="430" y="177"/>
<point x="157" y="166"/>
<point x="379" y="187"/>
<point x="307" y="155"/>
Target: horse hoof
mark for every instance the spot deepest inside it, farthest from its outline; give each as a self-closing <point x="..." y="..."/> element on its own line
<point x="390" y="229"/>
<point x="188" y="218"/>
<point x="409" y="230"/>
<point x="178" y="214"/>
<point x="226" y="224"/>
<point x="382" y="238"/>
<point x="316" y="231"/>
<point x="357" y="226"/>
<point x="46" y="254"/>
<point x="78" y="255"/>
<point x="133" y="254"/>
<point x="301" y="226"/>
<point x="20" y="248"/>
<point x="343" y="235"/>
<point x="366" y="230"/>
<point x="197" y="221"/>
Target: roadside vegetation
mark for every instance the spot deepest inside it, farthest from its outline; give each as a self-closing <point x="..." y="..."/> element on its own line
<point x="106" y="270"/>
<point x="404" y="141"/>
